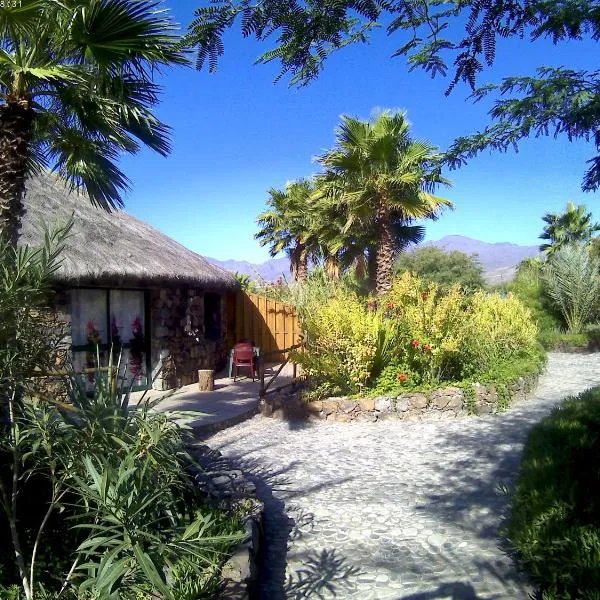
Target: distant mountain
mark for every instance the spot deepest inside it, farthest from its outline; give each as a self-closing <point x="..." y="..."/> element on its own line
<point x="269" y="270"/>
<point x="498" y="260"/>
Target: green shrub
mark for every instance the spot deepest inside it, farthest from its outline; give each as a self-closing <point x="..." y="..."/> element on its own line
<point x="412" y="336"/>
<point x="555" y="510"/>
<point x="573" y="283"/>
<point x="451" y="336"/>
<point x="529" y="287"/>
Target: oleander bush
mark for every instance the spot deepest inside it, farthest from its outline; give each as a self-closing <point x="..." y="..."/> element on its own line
<point x="415" y="335"/>
<point x="97" y="500"/>
<point x="554" y="525"/>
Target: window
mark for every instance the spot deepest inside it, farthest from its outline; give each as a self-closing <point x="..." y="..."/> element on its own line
<point x="212" y="317"/>
<point x="110" y="318"/>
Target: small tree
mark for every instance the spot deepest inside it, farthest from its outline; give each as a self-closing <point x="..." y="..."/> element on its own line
<point x="434" y="265"/>
<point x="573" y="280"/>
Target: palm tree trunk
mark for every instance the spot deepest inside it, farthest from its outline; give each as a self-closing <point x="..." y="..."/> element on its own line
<point x="302" y="266"/>
<point x="372" y="269"/>
<point x="386" y="249"/>
<point x="16" y="121"/>
<point x="332" y="267"/>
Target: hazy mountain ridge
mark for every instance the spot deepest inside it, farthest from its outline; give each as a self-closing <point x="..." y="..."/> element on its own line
<point x="497" y="259"/>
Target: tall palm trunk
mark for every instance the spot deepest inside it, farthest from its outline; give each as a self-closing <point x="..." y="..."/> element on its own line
<point x="299" y="262"/>
<point x="332" y="267"/>
<point x="386" y="249"/>
<point x="302" y="272"/>
<point x="372" y="268"/>
<point x="16" y="121"/>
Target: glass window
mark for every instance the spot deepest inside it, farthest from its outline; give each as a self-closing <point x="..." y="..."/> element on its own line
<point x="88" y="317"/>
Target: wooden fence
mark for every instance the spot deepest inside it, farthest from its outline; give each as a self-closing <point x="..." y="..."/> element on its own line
<point x="270" y="324"/>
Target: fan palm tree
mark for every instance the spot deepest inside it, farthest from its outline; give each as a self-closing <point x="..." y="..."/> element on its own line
<point x="382" y="176"/>
<point x="286" y="226"/>
<point x="76" y="90"/>
<point x="570" y="227"/>
<point x="347" y="243"/>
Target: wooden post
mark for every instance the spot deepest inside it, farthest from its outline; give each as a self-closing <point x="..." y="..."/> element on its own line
<point x="206" y="380"/>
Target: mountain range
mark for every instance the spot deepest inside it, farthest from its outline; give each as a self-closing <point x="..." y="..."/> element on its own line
<point x="498" y="260"/>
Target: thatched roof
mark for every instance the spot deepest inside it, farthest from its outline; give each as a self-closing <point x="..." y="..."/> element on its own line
<point x="112" y="248"/>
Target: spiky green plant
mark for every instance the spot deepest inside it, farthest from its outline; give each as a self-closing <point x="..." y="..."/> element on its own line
<point x="573" y="282"/>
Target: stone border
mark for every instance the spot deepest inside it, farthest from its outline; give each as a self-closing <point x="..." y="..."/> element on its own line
<point x="449" y="402"/>
<point x="229" y="489"/>
<point x="590" y="348"/>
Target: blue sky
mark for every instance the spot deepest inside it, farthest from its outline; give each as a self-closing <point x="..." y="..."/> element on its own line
<point x="236" y="134"/>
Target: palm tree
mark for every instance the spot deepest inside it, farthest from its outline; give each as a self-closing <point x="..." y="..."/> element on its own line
<point x="570" y="227"/>
<point x="76" y="90"/>
<point x="347" y="243"/>
<point x="286" y="226"/>
<point x="382" y="177"/>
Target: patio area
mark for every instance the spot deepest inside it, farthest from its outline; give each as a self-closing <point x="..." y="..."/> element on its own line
<point x="231" y="402"/>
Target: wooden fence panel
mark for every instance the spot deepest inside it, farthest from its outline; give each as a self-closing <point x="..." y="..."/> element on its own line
<point x="272" y="325"/>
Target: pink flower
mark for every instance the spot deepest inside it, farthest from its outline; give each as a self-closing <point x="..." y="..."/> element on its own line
<point x="402" y="377"/>
<point x="426" y="348"/>
<point x="415" y="343"/>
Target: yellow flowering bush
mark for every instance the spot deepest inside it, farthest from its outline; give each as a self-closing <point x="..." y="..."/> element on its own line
<point x="341" y="342"/>
<point x="415" y="334"/>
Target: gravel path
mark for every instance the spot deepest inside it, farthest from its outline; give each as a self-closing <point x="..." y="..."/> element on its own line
<point x="398" y="510"/>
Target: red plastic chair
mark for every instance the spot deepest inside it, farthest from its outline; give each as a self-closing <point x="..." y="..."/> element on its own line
<point x="243" y="356"/>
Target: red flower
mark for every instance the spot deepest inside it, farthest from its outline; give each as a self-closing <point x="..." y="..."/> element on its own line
<point x="415" y="343"/>
<point x="372" y="304"/>
<point x="426" y="348"/>
<point x="402" y="377"/>
<point x="391" y="305"/>
<point x="425" y="295"/>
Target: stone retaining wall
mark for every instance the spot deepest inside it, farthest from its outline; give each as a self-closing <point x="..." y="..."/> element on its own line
<point x="228" y="488"/>
<point x="449" y="402"/>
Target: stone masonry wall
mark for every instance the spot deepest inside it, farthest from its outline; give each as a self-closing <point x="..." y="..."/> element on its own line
<point x="57" y="326"/>
<point x="449" y="402"/>
<point x="178" y="344"/>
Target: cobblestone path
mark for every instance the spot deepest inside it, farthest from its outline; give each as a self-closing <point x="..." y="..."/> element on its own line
<point x="394" y="510"/>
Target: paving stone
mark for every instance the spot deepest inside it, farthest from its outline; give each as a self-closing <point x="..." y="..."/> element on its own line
<point x="408" y="505"/>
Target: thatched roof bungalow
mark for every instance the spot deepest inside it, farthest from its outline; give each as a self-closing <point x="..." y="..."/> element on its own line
<point x="126" y="284"/>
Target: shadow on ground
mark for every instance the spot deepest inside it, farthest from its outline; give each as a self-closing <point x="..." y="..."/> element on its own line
<point x="322" y="572"/>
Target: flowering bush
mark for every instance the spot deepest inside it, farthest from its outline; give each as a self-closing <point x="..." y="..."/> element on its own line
<point x="344" y="342"/>
<point x="414" y="335"/>
<point x="454" y="335"/>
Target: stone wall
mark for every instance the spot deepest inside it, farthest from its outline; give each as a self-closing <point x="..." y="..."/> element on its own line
<point x="177" y="339"/>
<point x="228" y="488"/>
<point x="56" y="320"/>
<point x="178" y="344"/>
<point x="445" y="403"/>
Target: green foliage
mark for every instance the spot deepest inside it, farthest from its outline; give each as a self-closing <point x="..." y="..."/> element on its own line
<point x="434" y="265"/>
<point x="439" y="33"/>
<point x="572" y="278"/>
<point x="118" y="488"/>
<point x="529" y="287"/>
<point x="555" y="509"/>
<point x="414" y="336"/>
<point x="86" y="69"/>
<point x="341" y="344"/>
<point x="26" y="343"/>
<point x="574" y="226"/>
